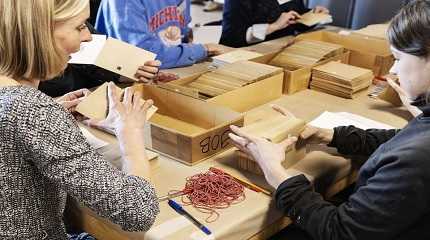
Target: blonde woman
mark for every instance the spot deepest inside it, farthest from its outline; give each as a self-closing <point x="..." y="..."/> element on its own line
<point x="43" y="155"/>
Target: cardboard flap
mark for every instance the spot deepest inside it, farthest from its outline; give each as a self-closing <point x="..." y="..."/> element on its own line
<point x="122" y="58"/>
<point x="190" y="110"/>
<point x="96" y="105"/>
<point x="375" y="30"/>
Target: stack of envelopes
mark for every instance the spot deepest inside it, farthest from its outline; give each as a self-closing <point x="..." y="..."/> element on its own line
<point x="340" y="79"/>
<point x="231" y="77"/>
<point x="306" y="53"/>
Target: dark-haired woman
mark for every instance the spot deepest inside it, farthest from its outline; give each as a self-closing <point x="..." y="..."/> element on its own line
<point x="247" y="22"/>
<point x="392" y="195"/>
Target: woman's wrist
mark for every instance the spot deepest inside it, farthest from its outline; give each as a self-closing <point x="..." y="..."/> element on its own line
<point x="327" y="136"/>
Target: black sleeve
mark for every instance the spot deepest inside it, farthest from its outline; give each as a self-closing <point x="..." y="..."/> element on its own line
<point x="299" y="6"/>
<point x="350" y="140"/>
<point x="237" y="18"/>
<point x="382" y="209"/>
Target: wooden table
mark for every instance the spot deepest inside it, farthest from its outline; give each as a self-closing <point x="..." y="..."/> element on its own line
<point x="256" y="217"/>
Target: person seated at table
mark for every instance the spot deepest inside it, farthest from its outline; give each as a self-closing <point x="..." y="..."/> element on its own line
<point x="392" y="194"/>
<point x="158" y="26"/>
<point x="43" y="155"/>
<point x="82" y="76"/>
<point x="246" y="22"/>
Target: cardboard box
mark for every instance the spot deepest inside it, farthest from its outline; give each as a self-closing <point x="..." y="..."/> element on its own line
<point x="276" y="130"/>
<point x="187" y="129"/>
<point x="298" y="79"/>
<point x="241" y="99"/>
<point x="366" y="52"/>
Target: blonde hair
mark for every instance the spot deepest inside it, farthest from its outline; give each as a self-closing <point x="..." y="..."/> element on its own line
<point x="27" y="45"/>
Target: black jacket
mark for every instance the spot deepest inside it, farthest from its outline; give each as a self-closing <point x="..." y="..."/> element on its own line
<point x="77" y="76"/>
<point x="239" y="15"/>
<point x="392" y="197"/>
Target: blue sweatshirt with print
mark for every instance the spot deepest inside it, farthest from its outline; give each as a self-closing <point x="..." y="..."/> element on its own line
<point x="139" y="22"/>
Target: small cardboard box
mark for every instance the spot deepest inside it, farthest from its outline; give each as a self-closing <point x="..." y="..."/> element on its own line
<point x="366" y="52"/>
<point x="187" y="129"/>
<point x="241" y="99"/>
<point x="113" y="55"/>
<point x="298" y="79"/>
<point x="276" y="130"/>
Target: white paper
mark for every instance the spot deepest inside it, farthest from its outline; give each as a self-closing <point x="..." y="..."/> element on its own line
<point x="331" y="120"/>
<point x="93" y="140"/>
<point x="89" y="50"/>
<point x="207" y="34"/>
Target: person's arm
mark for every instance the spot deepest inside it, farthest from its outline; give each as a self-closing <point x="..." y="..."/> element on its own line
<point x="62" y="155"/>
<point x="126" y="21"/>
<point x="298" y="6"/>
<point x="350" y="140"/>
<point x="382" y="209"/>
<point x="237" y="19"/>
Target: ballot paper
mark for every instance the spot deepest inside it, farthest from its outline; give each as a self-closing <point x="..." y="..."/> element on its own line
<point x="95" y="142"/>
<point x="113" y="55"/>
<point x="311" y="19"/>
<point x="331" y="120"/>
<point x="207" y="34"/>
<point x="235" y="56"/>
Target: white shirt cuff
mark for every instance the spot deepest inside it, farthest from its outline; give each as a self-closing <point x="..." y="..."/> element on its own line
<point x="256" y="33"/>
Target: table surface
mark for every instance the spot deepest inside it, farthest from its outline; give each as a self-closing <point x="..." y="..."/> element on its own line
<point x="251" y="217"/>
<point x="255" y="217"/>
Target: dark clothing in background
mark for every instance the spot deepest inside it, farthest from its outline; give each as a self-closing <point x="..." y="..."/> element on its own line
<point x="77" y="76"/>
<point x="239" y="15"/>
<point x="392" y="195"/>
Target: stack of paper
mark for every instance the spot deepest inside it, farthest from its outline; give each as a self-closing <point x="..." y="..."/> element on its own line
<point x="340" y="79"/>
<point x="330" y="120"/>
<point x="234" y="56"/>
<point x="306" y="53"/>
<point x="312" y="19"/>
<point x="231" y="77"/>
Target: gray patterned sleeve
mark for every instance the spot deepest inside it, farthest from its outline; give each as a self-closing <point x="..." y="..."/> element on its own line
<point x="62" y="154"/>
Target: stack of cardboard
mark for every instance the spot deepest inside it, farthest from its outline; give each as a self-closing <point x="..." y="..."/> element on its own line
<point x="235" y="56"/>
<point x="275" y="129"/>
<point x="306" y="53"/>
<point x="230" y="77"/>
<point x="340" y="79"/>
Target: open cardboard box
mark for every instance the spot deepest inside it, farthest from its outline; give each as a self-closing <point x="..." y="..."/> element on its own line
<point x="366" y="52"/>
<point x="241" y="99"/>
<point x="187" y="129"/>
<point x="275" y="129"/>
<point x="298" y="79"/>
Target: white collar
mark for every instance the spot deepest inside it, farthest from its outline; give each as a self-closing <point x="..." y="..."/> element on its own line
<point x="283" y="1"/>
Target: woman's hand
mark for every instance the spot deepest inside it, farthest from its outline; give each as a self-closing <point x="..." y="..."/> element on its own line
<point x="126" y="119"/>
<point x="268" y="155"/>
<point x="70" y="100"/>
<point x="214" y="49"/>
<point x="311" y="135"/>
<point x="404" y="98"/>
<point x="285" y="20"/>
<point x="148" y="72"/>
<point x="321" y="9"/>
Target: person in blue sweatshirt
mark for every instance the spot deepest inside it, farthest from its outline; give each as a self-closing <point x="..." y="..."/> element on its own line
<point x="392" y="193"/>
<point x="158" y="26"/>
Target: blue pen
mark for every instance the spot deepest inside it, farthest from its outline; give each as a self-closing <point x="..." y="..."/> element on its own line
<point x="179" y="209"/>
